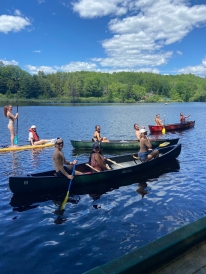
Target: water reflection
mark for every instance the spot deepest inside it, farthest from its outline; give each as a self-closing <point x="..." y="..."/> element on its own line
<point x="142" y="189"/>
<point x="59" y="211"/>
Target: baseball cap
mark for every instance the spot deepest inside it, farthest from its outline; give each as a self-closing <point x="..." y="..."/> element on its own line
<point x="95" y="145"/>
<point x="33" y="126"/>
<point x="142" y="130"/>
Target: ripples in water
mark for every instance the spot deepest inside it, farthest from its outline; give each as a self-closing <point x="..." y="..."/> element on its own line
<point x="105" y="221"/>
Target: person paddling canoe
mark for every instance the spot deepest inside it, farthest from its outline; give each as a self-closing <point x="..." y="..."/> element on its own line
<point x="62" y="167"/>
<point x="158" y="121"/>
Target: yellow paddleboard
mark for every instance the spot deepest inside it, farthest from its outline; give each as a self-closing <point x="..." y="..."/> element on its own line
<point x="49" y="144"/>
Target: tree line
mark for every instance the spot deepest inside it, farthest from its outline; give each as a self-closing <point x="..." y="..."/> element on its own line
<point x="85" y="86"/>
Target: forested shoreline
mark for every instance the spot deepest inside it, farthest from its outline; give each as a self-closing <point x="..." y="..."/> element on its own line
<point x="91" y="87"/>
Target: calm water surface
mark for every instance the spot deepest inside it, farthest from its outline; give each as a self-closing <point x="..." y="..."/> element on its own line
<point x="106" y="221"/>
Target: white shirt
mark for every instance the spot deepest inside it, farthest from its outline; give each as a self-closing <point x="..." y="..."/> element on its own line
<point x="30" y="136"/>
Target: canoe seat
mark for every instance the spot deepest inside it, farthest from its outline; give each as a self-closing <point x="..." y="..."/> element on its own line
<point x="125" y="164"/>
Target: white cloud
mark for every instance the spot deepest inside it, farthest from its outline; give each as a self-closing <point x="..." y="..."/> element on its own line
<point x="37" y="51"/>
<point x="73" y="66"/>
<point x="179" y="52"/>
<point x="17" y="12"/>
<point x="12" y="62"/>
<point x="78" y="66"/>
<point x="148" y="26"/>
<point x="13" y="23"/>
<point x="98" y="8"/>
<point x="197" y="70"/>
<point x="34" y="70"/>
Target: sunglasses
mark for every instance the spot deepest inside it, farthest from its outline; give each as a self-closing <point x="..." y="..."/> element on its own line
<point x="60" y="143"/>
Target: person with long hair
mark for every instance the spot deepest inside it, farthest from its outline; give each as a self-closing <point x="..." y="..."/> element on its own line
<point x="8" y="114"/>
<point x="97" y="160"/>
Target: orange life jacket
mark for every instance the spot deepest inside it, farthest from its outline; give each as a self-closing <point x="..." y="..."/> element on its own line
<point x="35" y="135"/>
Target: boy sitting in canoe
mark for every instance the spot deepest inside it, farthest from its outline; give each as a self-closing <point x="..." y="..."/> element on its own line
<point x="59" y="161"/>
<point x="146" y="153"/>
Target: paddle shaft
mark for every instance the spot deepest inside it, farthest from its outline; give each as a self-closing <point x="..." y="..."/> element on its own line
<point x="67" y="195"/>
<point x="92" y="167"/>
<point x="114" y="162"/>
<point x="70" y="183"/>
<point x="17" y="122"/>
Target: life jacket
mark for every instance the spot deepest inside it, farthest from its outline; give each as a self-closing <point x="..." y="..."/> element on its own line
<point x="35" y="135"/>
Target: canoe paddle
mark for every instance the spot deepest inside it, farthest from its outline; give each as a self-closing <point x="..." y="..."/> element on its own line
<point x="92" y="168"/>
<point x="70" y="183"/>
<point x="164" y="129"/>
<point x="16" y="136"/>
<point x="114" y="162"/>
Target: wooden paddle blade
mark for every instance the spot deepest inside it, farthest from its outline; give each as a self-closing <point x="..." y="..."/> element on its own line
<point x="164" y="144"/>
<point x="65" y="201"/>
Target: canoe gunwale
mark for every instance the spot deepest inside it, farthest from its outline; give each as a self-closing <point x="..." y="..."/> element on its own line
<point x="120" y="144"/>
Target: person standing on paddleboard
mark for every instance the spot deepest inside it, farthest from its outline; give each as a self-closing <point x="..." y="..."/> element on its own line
<point x="8" y="113"/>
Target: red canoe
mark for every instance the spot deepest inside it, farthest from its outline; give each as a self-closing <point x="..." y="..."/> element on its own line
<point x="172" y="127"/>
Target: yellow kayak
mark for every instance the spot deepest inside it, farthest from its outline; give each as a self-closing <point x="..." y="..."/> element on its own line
<point x="49" y="144"/>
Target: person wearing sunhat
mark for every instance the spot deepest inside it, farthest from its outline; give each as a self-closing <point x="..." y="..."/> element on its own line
<point x="97" y="160"/>
<point x="34" y="137"/>
<point x="146" y="153"/>
<point x="62" y="167"/>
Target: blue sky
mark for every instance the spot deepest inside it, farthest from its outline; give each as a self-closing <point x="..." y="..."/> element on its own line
<point x="160" y="36"/>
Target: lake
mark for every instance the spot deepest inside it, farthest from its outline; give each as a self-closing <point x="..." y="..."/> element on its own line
<point x="104" y="222"/>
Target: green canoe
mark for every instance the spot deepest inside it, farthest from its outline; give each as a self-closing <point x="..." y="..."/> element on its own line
<point x="122" y="166"/>
<point x="120" y="145"/>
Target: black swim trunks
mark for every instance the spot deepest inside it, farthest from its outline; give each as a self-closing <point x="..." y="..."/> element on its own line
<point x="67" y="169"/>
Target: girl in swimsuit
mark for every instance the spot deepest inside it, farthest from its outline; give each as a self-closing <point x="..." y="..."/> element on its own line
<point x="8" y="113"/>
